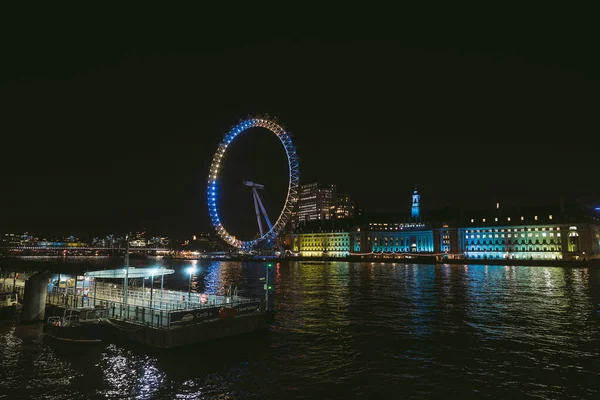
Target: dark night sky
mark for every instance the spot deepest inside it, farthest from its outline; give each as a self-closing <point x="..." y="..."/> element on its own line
<point x="107" y="127"/>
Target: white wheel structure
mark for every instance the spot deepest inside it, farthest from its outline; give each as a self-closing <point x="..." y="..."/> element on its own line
<point x="292" y="192"/>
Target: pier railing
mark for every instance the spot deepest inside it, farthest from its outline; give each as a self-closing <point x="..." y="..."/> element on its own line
<point x="164" y="312"/>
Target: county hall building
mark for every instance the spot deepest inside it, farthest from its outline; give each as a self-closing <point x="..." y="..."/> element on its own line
<point x="560" y="232"/>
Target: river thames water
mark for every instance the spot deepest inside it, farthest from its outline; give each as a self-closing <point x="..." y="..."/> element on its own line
<point x="348" y="330"/>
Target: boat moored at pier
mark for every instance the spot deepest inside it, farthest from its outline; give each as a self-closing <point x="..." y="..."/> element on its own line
<point x="79" y="324"/>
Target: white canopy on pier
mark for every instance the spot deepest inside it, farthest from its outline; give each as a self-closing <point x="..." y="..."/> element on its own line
<point x="132" y="273"/>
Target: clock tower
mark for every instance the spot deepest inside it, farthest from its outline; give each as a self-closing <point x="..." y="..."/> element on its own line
<point x="416" y="198"/>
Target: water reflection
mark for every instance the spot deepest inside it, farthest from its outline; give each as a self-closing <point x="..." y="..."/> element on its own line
<point x="129" y="374"/>
<point x="348" y="329"/>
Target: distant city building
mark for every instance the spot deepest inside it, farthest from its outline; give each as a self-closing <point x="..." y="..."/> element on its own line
<point x="341" y="207"/>
<point x="158" y="241"/>
<point x="314" y="201"/>
<point x="60" y="243"/>
<point x="15" y="239"/>
<point x="204" y="242"/>
<point x="321" y="202"/>
<point x="109" y="241"/>
<point x="138" y="239"/>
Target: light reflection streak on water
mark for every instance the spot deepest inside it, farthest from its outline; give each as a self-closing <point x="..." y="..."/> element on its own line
<point x="129" y="375"/>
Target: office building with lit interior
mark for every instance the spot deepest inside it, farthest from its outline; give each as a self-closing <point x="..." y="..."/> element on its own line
<point x="321" y="202"/>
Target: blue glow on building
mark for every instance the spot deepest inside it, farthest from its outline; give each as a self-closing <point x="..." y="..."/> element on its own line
<point x="416" y="241"/>
<point x="416" y="199"/>
<point x="535" y="242"/>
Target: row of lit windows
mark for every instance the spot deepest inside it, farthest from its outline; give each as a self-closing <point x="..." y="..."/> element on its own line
<point x="308" y="253"/>
<point x="551" y="248"/>
<point x="498" y="242"/>
<point x="527" y="256"/>
<point x="391" y="239"/>
<point x="340" y="237"/>
<point x="321" y="235"/>
<point x="321" y="243"/>
<point x="544" y="234"/>
<point x="535" y="229"/>
<point x="508" y="218"/>
<point x="415" y="235"/>
<point x="334" y="248"/>
<point x="326" y="236"/>
<point x="402" y="249"/>
<point x="304" y="207"/>
<point x="407" y="225"/>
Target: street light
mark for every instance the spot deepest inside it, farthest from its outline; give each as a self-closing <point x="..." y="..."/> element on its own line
<point x="190" y="271"/>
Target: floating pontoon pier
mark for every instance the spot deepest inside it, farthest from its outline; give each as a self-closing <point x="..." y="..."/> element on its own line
<point x="160" y="317"/>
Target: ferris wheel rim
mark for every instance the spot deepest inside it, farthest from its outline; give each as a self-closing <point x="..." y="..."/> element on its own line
<point x="293" y="181"/>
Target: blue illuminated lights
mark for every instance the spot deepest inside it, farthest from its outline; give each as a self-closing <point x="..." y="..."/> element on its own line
<point x="293" y="181"/>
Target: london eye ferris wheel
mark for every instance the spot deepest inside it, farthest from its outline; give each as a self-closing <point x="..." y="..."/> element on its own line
<point x="212" y="192"/>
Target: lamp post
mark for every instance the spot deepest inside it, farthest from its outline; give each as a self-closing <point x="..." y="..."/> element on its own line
<point x="162" y="280"/>
<point x="190" y="271"/>
<point x="126" y="275"/>
<point x="152" y="272"/>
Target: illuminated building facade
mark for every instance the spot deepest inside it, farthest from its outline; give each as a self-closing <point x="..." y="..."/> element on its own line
<point x="322" y="244"/>
<point x="520" y="233"/>
<point x="446" y="241"/>
<point x="535" y="233"/>
<point x="407" y="239"/>
<point x="323" y="239"/>
<point x="386" y="234"/>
